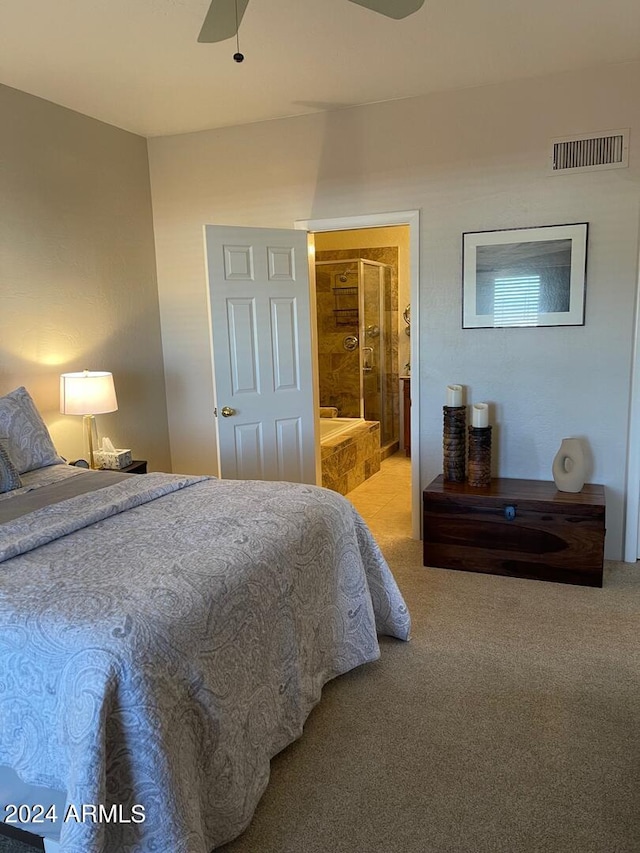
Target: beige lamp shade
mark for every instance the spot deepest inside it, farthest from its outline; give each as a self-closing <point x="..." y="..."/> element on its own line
<point x="90" y="392"/>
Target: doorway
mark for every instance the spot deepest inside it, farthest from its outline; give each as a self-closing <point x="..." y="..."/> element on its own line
<point x="369" y="232"/>
<point x="359" y="293"/>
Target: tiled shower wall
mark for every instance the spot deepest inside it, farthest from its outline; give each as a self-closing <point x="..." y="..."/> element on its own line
<point x="339" y="379"/>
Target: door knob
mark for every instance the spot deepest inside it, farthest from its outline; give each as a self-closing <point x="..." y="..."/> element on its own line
<point x="227" y="411"/>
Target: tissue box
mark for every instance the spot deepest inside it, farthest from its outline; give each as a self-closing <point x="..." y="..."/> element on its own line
<point x="112" y="459"/>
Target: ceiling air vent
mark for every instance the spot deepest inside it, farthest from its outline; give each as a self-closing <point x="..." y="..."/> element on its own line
<point x="591" y="151"/>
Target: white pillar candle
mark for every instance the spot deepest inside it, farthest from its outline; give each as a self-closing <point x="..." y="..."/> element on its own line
<point x="480" y="415"/>
<point x="454" y="395"/>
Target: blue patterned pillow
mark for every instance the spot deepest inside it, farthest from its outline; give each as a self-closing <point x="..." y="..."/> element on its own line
<point x="28" y="441"/>
<point x="9" y="477"/>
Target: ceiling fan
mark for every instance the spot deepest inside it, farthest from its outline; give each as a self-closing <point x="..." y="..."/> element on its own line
<point x="224" y="16"/>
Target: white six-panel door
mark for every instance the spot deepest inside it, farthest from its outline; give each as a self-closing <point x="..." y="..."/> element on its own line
<point x="260" y="317"/>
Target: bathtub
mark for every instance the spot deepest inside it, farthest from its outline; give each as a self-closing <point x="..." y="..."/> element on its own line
<point x="331" y="427"/>
<point x="350" y="452"/>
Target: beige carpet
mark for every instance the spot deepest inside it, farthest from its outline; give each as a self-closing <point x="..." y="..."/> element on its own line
<point x="510" y="722"/>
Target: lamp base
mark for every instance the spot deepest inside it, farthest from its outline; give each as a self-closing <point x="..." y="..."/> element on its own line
<point x="89" y="424"/>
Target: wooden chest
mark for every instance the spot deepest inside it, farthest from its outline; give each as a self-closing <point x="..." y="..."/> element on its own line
<point x="521" y="528"/>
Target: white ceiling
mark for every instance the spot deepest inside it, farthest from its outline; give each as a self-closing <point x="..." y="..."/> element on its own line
<point x="136" y="64"/>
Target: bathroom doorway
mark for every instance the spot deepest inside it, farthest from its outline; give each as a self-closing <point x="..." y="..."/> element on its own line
<point x="366" y="234"/>
<point x="362" y="301"/>
<point x="363" y="290"/>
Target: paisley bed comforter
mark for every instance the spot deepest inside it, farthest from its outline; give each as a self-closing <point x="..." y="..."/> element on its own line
<point x="163" y="637"/>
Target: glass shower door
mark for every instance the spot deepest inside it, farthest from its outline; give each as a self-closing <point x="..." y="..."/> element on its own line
<point x="358" y="341"/>
<point x="371" y="350"/>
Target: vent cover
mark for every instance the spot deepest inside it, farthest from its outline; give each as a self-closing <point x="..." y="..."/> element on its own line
<point x="591" y="151"/>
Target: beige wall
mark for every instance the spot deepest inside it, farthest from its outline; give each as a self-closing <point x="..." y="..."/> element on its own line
<point x="77" y="270"/>
<point x="470" y="160"/>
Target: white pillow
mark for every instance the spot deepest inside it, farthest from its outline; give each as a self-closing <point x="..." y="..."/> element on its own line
<point x="28" y="442"/>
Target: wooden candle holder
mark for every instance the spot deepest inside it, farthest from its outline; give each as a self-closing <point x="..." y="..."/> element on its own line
<point x="479" y="456"/>
<point x="453" y="443"/>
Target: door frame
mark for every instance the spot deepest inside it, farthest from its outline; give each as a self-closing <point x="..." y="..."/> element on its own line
<point x="381" y="220"/>
<point x="632" y="490"/>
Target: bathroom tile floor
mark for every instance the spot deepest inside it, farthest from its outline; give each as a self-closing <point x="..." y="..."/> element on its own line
<point x="384" y="500"/>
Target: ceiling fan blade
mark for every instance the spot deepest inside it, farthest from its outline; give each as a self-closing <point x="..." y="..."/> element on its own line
<point x="392" y="8"/>
<point x="221" y="22"/>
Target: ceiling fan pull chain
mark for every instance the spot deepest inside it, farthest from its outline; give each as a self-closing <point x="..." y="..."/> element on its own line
<point x="239" y="57"/>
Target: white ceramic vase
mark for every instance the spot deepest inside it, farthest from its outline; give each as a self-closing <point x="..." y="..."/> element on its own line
<point x="570" y="466"/>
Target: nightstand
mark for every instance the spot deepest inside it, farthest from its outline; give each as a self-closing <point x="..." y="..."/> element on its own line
<point x="138" y="466"/>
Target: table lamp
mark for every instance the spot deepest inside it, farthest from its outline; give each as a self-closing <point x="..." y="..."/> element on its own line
<point x="88" y="393"/>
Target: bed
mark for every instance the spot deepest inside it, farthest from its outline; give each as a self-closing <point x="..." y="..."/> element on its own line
<point x="164" y="636"/>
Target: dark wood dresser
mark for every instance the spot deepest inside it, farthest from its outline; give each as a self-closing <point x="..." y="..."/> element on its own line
<point x="521" y="528"/>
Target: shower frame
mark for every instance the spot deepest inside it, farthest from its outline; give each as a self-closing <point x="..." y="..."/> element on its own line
<point x="380" y="367"/>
